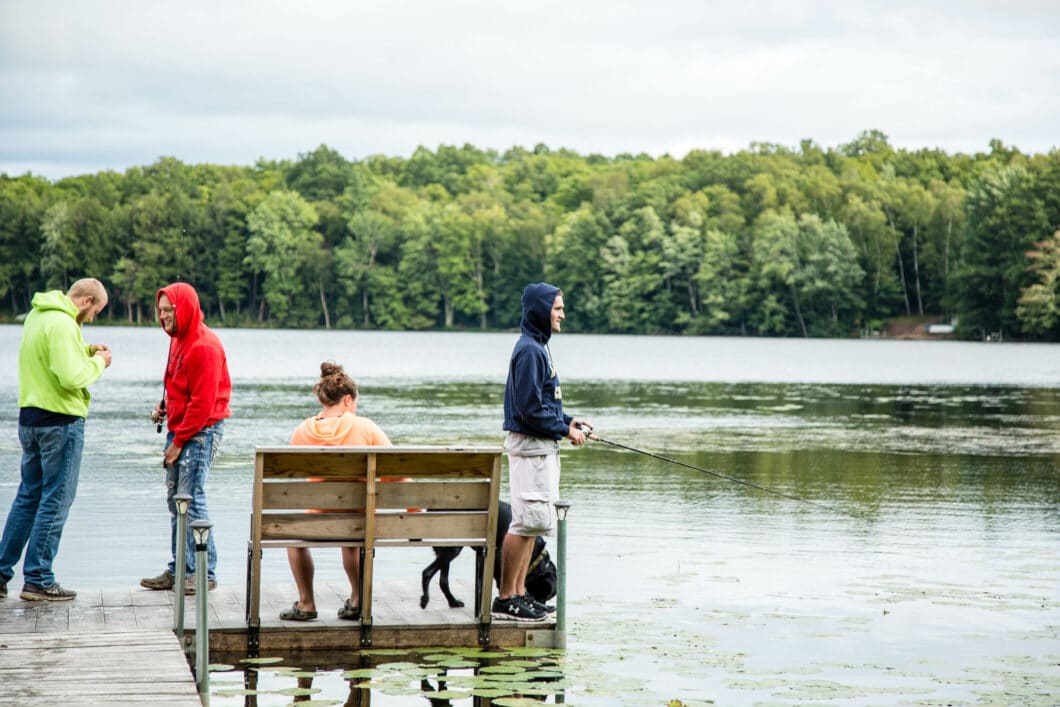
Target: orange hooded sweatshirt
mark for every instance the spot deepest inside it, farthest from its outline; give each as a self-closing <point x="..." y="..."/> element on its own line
<point x="346" y="430"/>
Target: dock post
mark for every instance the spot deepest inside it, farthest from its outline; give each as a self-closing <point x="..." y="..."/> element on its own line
<point x="561" y="585"/>
<point x="201" y="530"/>
<point x="181" y="501"/>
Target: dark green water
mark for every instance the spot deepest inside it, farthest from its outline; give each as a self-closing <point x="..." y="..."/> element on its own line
<point x="925" y="571"/>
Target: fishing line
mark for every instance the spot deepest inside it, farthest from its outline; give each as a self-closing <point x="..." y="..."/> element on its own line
<point x="593" y="436"/>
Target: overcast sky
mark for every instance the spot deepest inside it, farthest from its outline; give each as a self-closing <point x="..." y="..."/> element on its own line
<point x="88" y="85"/>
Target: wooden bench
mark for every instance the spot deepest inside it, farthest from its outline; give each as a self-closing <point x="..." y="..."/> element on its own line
<point x="343" y="496"/>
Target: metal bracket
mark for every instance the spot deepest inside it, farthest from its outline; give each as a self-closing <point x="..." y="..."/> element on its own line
<point x="253" y="641"/>
<point x="366" y="635"/>
<point x="484" y="634"/>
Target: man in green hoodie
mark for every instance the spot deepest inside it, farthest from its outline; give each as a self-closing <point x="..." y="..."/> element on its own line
<point x="55" y="366"/>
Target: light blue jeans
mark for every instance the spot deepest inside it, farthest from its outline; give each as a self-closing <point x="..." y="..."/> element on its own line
<point x="188" y="476"/>
<point x="51" y="464"/>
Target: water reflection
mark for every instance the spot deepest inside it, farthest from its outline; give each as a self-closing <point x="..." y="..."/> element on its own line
<point x="437" y="677"/>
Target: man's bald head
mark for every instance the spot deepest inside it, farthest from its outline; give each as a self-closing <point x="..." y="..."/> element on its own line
<point x="90" y="297"/>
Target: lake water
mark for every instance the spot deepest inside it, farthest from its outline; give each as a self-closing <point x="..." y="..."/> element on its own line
<point x="926" y="570"/>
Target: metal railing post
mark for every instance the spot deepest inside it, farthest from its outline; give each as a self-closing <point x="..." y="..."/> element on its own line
<point x="181" y="501"/>
<point x="561" y="585"/>
<point x="201" y="531"/>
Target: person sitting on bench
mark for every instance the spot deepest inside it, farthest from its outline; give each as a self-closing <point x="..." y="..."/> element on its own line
<point x="337" y="424"/>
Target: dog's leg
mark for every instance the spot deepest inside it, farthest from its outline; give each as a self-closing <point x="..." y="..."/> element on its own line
<point x="443" y="582"/>
<point x="428" y="575"/>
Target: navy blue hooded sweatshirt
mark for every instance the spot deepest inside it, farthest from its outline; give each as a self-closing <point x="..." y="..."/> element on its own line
<point x="532" y="405"/>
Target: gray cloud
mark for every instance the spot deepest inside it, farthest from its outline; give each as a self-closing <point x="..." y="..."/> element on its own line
<point x="111" y="84"/>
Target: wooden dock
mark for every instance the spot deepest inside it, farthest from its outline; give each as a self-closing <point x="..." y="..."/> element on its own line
<point x="116" y="668"/>
<point x="399" y="620"/>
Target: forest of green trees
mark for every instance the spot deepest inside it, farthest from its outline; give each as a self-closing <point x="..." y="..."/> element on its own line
<point x="769" y="241"/>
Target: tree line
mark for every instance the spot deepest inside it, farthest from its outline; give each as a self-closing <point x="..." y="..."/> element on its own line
<point x="769" y="241"/>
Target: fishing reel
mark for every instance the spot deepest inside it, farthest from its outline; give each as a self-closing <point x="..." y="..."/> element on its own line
<point x="158" y="422"/>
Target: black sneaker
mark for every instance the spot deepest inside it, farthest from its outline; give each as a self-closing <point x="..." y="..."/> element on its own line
<point x="516" y="608"/>
<point x="3" y="589"/>
<point x="547" y="608"/>
<point x="35" y="592"/>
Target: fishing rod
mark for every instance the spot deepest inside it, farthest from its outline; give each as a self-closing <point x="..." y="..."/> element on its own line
<point x="165" y="375"/>
<point x="596" y="438"/>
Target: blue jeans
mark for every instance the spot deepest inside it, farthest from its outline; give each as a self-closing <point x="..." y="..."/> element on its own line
<point x="188" y="476"/>
<point x="51" y="464"/>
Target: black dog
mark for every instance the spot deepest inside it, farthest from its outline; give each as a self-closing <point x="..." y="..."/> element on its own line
<point x="540" y="579"/>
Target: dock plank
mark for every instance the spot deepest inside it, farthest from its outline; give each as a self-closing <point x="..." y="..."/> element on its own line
<point x="95" y="668"/>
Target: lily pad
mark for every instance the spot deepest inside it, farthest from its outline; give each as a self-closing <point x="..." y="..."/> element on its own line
<point x="219" y="667"/>
<point x="521" y="663"/>
<point x="446" y="695"/>
<point x="298" y="691"/>
<point x="457" y="663"/>
<point x="508" y="669"/>
<point x="490" y="693"/>
<point x="261" y="661"/>
<point x="396" y="691"/>
<point x="398" y="667"/>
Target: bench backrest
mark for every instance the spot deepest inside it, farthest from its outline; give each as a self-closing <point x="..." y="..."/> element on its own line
<point x="375" y="497"/>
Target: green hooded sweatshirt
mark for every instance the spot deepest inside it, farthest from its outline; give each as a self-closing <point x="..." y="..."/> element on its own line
<point x="54" y="363"/>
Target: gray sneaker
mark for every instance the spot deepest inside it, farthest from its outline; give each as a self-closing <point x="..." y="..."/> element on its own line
<point x="53" y="592"/>
<point x="162" y="581"/>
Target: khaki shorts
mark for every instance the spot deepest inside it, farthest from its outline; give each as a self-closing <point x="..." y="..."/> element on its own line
<point x="533" y="482"/>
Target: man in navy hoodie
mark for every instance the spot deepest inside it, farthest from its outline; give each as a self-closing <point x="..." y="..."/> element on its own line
<point x="535" y="422"/>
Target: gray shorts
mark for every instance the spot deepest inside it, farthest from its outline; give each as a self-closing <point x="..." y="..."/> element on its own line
<point x="533" y="482"/>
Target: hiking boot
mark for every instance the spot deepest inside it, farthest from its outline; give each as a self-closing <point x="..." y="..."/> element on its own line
<point x="53" y="592"/>
<point x="540" y="606"/>
<point x="189" y="584"/>
<point x="162" y="581"/>
<point x="516" y="608"/>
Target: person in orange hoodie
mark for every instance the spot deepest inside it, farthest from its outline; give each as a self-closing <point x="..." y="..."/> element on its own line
<point x="337" y="424"/>
<point x="197" y="392"/>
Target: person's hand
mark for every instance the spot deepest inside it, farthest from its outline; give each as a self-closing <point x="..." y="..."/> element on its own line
<point x="577" y="434"/>
<point x="158" y="414"/>
<point x="103" y="351"/>
<point x="172" y="455"/>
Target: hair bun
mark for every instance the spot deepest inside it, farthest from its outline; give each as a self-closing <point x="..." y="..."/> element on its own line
<point x="330" y="368"/>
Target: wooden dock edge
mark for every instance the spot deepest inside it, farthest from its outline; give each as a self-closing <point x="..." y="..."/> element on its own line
<point x="298" y="639"/>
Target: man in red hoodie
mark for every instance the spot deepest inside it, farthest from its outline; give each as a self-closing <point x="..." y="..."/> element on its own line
<point x="197" y="391"/>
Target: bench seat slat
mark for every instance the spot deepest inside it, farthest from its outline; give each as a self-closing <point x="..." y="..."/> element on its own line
<point x="326" y="495"/>
<point x="312" y="526"/>
<point x="433" y="495"/>
<point x="431" y="525"/>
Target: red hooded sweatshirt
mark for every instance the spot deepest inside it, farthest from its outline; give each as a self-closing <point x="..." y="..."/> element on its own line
<point x="197" y="384"/>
